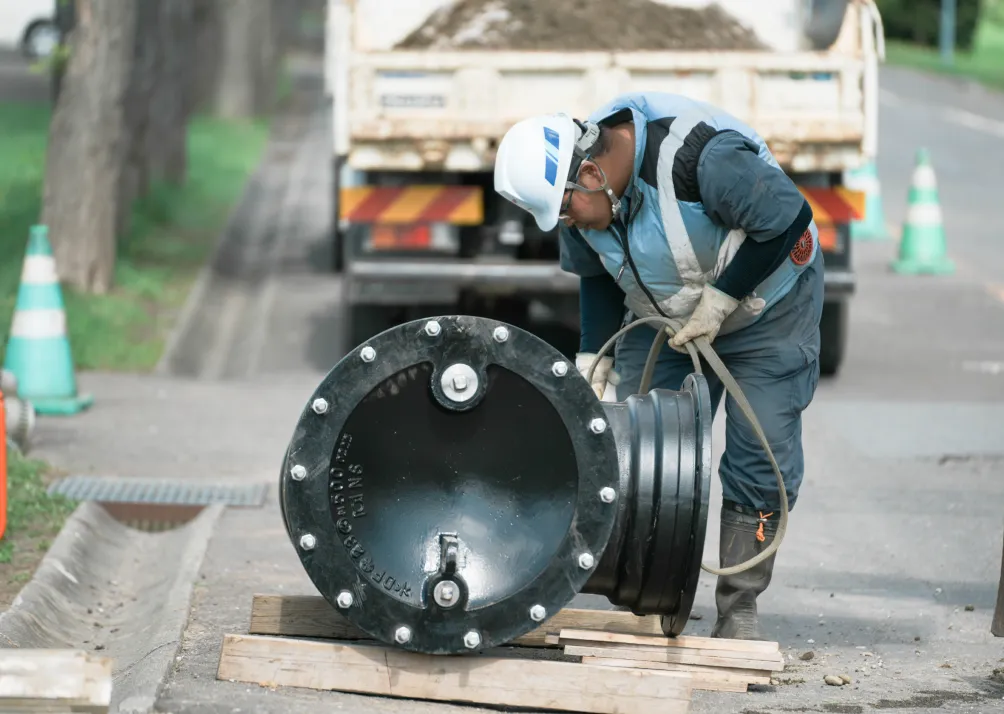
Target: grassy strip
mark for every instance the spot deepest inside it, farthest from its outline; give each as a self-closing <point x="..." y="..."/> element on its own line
<point x="173" y="231"/>
<point x="985" y="64"/>
<point x="33" y="520"/>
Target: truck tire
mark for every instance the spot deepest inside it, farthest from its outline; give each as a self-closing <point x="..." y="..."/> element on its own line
<point x="364" y="321"/>
<point x="832" y="337"/>
<point x="825" y="19"/>
<point x="337" y="234"/>
<point x="337" y="250"/>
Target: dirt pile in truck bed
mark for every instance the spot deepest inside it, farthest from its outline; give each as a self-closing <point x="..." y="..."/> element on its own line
<point x="565" y="25"/>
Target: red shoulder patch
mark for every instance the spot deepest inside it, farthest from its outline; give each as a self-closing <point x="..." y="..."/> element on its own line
<point x="802" y="251"/>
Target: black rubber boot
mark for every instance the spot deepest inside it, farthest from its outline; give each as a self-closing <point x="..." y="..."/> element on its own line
<point x="735" y="595"/>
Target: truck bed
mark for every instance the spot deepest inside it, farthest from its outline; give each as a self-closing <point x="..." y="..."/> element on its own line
<point x="414" y="110"/>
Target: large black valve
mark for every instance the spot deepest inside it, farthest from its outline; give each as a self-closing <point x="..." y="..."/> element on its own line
<point x="454" y="482"/>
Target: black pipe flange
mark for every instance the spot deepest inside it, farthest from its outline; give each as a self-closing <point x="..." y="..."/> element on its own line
<point x="446" y="487"/>
<point x="652" y="563"/>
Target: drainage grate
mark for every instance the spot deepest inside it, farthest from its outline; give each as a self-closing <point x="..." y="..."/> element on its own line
<point x="141" y="490"/>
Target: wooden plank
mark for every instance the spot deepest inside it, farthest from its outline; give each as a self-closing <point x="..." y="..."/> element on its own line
<point x="54" y="681"/>
<point x="671" y="657"/>
<point x="313" y="616"/>
<point x="705" y="643"/>
<point x="383" y="671"/>
<point x="707" y="679"/>
<point x="709" y="648"/>
<point x="750" y="676"/>
<point x="755" y="660"/>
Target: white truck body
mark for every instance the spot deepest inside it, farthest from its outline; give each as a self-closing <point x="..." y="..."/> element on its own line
<point x="446" y="110"/>
<point x="405" y="121"/>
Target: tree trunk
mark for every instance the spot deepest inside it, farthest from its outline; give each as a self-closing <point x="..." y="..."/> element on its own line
<point x="143" y="79"/>
<point x="156" y="112"/>
<point x="171" y="109"/>
<point x="86" y="145"/>
<point x="238" y="57"/>
<point x="235" y="93"/>
<point x="207" y="36"/>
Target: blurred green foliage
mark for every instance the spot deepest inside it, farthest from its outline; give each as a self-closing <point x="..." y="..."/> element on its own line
<point x="173" y="230"/>
<point x="918" y="21"/>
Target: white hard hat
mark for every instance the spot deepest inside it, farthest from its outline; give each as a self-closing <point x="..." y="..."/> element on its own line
<point x="532" y="162"/>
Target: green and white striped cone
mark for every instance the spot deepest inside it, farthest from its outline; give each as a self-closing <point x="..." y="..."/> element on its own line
<point x="873" y="227"/>
<point x="38" y="351"/>
<point x="922" y="248"/>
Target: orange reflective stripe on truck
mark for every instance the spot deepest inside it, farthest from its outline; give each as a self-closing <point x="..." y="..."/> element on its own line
<point x="834" y="205"/>
<point x="400" y="205"/>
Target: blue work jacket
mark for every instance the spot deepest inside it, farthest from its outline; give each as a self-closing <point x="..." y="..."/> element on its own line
<point x="703" y="182"/>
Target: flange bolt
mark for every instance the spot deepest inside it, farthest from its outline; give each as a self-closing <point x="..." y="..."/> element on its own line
<point x="402" y="635"/>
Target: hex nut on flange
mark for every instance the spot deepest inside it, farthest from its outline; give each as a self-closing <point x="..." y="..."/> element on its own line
<point x="538" y="613"/>
<point x="320" y="405"/>
<point x="586" y="561"/>
<point x="344" y="599"/>
<point x="402" y="635"/>
<point x="608" y="495"/>
<point x="559" y="369"/>
<point x="472" y="639"/>
<point x="298" y="472"/>
<point x="432" y="328"/>
<point x="367" y="353"/>
<point x="501" y="334"/>
<point x="598" y="426"/>
<point x="308" y="541"/>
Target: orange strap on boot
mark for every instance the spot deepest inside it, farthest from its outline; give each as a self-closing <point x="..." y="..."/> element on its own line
<point x="763" y="519"/>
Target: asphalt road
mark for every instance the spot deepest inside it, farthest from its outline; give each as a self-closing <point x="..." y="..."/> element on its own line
<point x="899" y="525"/>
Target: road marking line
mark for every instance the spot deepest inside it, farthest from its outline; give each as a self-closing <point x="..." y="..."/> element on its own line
<point x="978" y="122"/>
<point x="889" y="99"/>
<point x="965" y="118"/>
<point x="985" y="367"/>
<point x="995" y="291"/>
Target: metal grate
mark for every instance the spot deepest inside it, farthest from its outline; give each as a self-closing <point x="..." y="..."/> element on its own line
<point x="141" y="490"/>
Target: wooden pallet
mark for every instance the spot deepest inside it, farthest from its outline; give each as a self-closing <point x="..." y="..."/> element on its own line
<point x="579" y="660"/>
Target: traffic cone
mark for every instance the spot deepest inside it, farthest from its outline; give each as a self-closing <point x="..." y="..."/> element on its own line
<point x="38" y="351"/>
<point x="873" y="227"/>
<point x="922" y="248"/>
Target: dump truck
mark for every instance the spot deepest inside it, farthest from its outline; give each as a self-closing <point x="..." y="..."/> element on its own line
<point x="422" y="91"/>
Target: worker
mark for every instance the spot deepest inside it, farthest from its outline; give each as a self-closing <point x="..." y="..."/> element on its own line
<point x="668" y="206"/>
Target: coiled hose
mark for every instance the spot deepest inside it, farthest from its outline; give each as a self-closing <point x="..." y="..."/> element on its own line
<point x="669" y="326"/>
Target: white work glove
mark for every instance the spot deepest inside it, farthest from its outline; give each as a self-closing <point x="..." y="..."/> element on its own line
<point x="707" y="319"/>
<point x="604" y="378"/>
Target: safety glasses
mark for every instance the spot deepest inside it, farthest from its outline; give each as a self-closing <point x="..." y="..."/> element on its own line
<point x="571" y="185"/>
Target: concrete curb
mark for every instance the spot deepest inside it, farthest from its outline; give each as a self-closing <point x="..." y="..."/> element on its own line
<point x="105" y="586"/>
